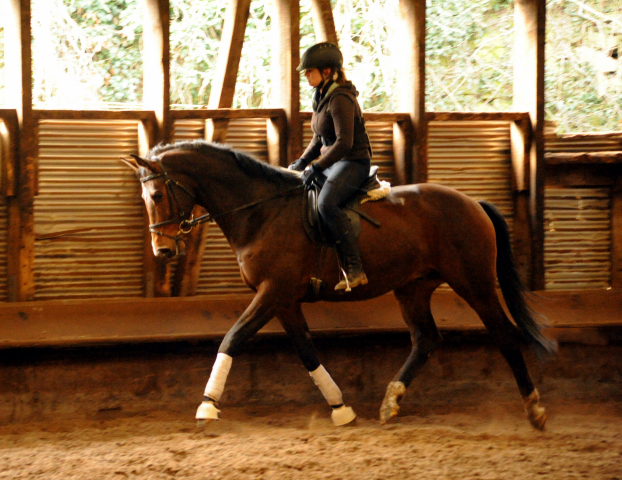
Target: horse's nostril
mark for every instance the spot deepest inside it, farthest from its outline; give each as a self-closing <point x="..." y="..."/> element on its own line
<point x="165" y="252"/>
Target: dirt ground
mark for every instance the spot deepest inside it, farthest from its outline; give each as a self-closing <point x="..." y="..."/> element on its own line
<point x="299" y="442"/>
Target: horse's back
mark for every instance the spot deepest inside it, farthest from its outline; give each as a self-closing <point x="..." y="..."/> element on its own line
<point x="429" y="227"/>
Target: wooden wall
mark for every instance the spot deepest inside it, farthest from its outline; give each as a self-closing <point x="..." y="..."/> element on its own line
<point x="532" y="167"/>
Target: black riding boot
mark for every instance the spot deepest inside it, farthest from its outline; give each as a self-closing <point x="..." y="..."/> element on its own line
<point x="350" y="260"/>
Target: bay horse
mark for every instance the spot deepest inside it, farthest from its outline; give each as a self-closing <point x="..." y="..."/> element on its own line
<point x="429" y="234"/>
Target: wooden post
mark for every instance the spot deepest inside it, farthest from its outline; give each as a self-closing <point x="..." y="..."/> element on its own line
<point x="156" y="66"/>
<point x="411" y="87"/>
<point x="324" y="22"/>
<point x="520" y="135"/>
<point x="402" y="152"/>
<point x="616" y="235"/>
<point x="156" y="277"/>
<point x="285" y="59"/>
<point x="277" y="146"/>
<point x="529" y="28"/>
<point x="229" y="54"/>
<point x="18" y="88"/>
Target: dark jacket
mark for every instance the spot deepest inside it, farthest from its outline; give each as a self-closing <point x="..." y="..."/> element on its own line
<point x="338" y="129"/>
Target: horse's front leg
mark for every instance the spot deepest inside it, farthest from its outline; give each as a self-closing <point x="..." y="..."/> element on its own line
<point x="258" y="313"/>
<point x="294" y="323"/>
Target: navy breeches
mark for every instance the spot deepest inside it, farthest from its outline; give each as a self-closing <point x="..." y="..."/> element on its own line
<point x="342" y="181"/>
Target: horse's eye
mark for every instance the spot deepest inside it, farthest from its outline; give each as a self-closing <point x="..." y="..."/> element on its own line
<point x="157" y="197"/>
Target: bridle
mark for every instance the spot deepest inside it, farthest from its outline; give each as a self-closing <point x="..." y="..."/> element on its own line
<point x="186" y="225"/>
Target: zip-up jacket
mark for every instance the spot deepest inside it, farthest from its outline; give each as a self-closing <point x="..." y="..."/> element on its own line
<point x="338" y="129"/>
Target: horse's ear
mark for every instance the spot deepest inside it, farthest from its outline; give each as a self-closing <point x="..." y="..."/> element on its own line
<point x="136" y="162"/>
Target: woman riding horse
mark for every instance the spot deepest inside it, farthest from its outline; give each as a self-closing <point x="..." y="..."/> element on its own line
<point x="340" y="137"/>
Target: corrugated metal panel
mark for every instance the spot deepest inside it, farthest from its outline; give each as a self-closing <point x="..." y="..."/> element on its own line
<point x="381" y="139"/>
<point x="577" y="246"/>
<point x="474" y="158"/>
<point x="83" y="184"/>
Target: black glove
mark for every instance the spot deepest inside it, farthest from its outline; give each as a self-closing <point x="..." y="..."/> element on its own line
<point x="298" y="165"/>
<point x="311" y="173"/>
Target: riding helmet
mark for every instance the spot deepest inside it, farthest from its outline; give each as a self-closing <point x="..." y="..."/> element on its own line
<point x="321" y="55"/>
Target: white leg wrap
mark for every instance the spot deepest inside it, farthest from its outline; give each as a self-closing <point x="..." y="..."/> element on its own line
<point x="327" y="386"/>
<point x="218" y="377"/>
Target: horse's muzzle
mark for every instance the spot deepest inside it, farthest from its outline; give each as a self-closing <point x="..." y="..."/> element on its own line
<point x="165" y="252"/>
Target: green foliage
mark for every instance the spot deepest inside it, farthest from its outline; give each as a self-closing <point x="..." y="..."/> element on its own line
<point x="469" y="55"/>
<point x="88" y="54"/>
<point x="86" y="51"/>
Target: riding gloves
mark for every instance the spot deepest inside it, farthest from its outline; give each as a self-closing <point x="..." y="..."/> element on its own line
<point x="311" y="173"/>
<point x="298" y="165"/>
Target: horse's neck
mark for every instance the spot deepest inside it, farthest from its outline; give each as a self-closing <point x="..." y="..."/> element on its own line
<point x="233" y="198"/>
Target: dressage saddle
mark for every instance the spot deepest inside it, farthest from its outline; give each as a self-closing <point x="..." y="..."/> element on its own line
<point x="312" y="220"/>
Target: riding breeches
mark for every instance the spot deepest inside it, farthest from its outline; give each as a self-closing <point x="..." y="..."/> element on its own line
<point x="342" y="181"/>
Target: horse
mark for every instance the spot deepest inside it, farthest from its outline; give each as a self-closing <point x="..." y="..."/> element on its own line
<point x="429" y="234"/>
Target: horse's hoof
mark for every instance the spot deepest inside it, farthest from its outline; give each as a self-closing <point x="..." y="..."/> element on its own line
<point x="342" y="415"/>
<point x="207" y="411"/>
<point x="535" y="413"/>
<point x="390" y="407"/>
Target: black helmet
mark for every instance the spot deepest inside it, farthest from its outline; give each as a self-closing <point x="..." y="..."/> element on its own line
<point x="321" y="55"/>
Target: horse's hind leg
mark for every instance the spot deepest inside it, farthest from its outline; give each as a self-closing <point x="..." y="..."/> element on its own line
<point x="414" y="300"/>
<point x="294" y="323"/>
<point x="507" y="336"/>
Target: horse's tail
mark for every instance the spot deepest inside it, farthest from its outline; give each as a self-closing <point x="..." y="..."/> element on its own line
<point x="514" y="291"/>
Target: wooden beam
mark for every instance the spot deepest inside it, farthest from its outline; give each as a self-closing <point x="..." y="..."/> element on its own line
<point x="18" y="94"/>
<point x="229" y="113"/>
<point x="229" y="54"/>
<point x="475" y="116"/>
<point x="277" y="144"/>
<point x="9" y="132"/>
<point x="582" y="175"/>
<point x="156" y="65"/>
<point x="403" y="140"/>
<point x="411" y="86"/>
<point x="323" y="22"/>
<point x="529" y="28"/>
<point x="74" y="322"/>
<point x="583" y="158"/>
<point x="9" y="128"/>
<point x="616" y="235"/>
<point x="93" y="115"/>
<point x="520" y="141"/>
<point x="286" y="80"/>
<point x="155" y="274"/>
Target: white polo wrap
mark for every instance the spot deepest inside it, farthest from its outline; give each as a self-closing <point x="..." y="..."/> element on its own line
<point x="327" y="386"/>
<point x="218" y="377"/>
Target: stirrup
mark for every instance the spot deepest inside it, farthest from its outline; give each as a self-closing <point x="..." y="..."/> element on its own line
<point x="347" y="285"/>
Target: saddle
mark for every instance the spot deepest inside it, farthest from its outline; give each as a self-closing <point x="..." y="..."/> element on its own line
<point x="373" y="189"/>
<point x="312" y="220"/>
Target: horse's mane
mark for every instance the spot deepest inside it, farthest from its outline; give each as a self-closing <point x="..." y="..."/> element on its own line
<point x="249" y="164"/>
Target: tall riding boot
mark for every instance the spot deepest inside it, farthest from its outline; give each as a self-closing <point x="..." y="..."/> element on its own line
<point x="350" y="259"/>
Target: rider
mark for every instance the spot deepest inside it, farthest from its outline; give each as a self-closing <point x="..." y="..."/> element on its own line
<point x="340" y="137"/>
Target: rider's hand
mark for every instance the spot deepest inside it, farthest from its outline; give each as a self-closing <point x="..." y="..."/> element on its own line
<point x="298" y="165"/>
<point x="311" y="173"/>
